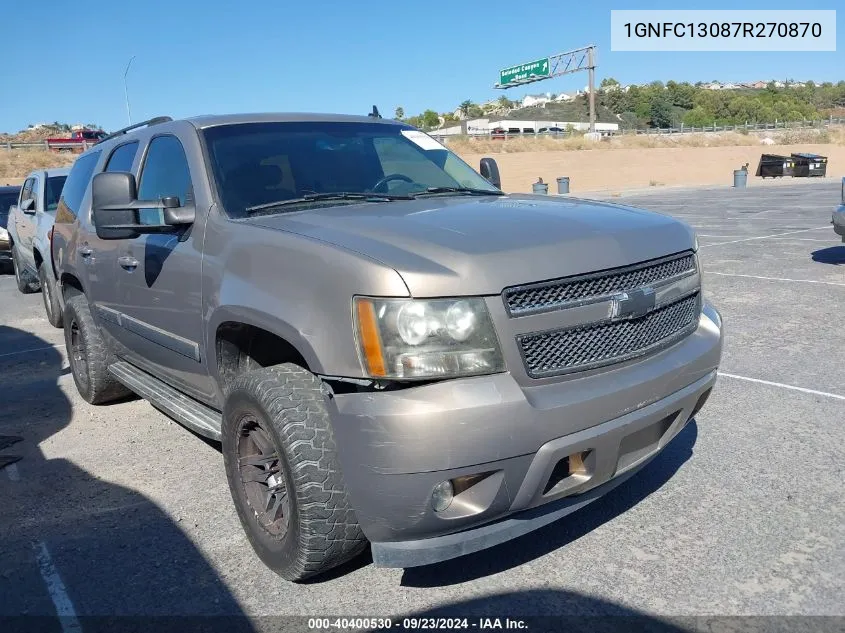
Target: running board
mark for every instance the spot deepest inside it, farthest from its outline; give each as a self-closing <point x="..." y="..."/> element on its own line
<point x="187" y="411"/>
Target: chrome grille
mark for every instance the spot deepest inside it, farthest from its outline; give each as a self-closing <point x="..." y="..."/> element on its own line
<point x="560" y="293"/>
<point x="586" y="347"/>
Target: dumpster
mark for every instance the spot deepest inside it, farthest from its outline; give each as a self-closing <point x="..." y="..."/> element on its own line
<point x="809" y="165"/>
<point x="775" y="166"/>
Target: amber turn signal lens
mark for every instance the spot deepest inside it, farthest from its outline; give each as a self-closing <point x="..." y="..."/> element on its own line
<point x="370" y="338"/>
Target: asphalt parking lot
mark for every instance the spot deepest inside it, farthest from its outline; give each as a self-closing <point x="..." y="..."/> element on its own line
<point x="116" y="510"/>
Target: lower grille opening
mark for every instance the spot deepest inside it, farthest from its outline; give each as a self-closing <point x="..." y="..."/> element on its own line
<point x="571" y="470"/>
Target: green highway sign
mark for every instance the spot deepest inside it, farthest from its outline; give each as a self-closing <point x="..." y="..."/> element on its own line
<point x="531" y="70"/>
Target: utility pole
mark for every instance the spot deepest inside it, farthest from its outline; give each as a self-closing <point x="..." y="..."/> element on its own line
<point x="126" y="90"/>
<point x="591" y="65"/>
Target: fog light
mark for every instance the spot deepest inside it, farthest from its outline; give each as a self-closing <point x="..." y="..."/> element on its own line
<point x="442" y="496"/>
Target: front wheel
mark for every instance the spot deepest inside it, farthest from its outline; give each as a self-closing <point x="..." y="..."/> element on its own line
<point x="283" y="472"/>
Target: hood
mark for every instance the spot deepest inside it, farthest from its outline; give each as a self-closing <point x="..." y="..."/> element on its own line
<point x="452" y="246"/>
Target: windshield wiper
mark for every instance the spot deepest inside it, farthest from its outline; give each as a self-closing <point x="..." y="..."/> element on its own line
<point x="466" y="190"/>
<point x="317" y="197"/>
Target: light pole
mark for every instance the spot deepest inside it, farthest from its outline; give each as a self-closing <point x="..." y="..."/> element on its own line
<point x="126" y="90"/>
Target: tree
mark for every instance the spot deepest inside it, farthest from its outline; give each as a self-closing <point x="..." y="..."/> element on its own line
<point x="661" y="111"/>
<point x="399" y="114"/>
<point x="681" y="94"/>
<point x="430" y="119"/>
<point x="504" y="102"/>
<point x="474" y="112"/>
<point x="698" y="117"/>
<point x="608" y="83"/>
<point x="465" y="106"/>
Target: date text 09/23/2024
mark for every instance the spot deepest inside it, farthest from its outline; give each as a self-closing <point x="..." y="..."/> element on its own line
<point x="416" y="623"/>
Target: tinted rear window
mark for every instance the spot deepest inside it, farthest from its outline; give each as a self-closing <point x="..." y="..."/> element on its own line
<point x="75" y="186"/>
<point x="53" y="192"/>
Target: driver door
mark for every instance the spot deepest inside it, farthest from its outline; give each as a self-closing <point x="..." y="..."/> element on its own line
<point x="159" y="278"/>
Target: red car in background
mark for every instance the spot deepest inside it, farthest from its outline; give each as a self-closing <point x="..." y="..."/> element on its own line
<point x="78" y="141"/>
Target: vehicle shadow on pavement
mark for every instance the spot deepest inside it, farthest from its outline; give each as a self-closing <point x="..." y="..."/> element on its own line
<point x="541" y="610"/>
<point x="101" y="555"/>
<point x="565" y="531"/>
<point x="832" y="255"/>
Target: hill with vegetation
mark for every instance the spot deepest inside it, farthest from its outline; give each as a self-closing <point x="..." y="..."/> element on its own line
<point x="35" y="133"/>
<point x="663" y="105"/>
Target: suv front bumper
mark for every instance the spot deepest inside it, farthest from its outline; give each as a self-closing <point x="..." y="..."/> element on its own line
<point x="546" y="451"/>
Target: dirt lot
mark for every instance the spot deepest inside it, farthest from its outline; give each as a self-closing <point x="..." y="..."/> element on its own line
<point x="617" y="169"/>
<point x="117" y="510"/>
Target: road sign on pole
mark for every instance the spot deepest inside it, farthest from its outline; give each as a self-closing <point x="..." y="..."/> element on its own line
<point x="554" y="66"/>
<point x="532" y="70"/>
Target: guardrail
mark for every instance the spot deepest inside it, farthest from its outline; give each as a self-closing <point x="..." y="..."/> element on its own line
<point x="748" y="127"/>
<point x="44" y="145"/>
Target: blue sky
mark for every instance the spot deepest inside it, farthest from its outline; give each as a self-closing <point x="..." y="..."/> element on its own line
<point x="220" y="56"/>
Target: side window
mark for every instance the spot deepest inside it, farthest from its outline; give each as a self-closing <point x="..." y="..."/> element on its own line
<point x="75" y="186"/>
<point x="121" y="159"/>
<point x="36" y="189"/>
<point x="165" y="173"/>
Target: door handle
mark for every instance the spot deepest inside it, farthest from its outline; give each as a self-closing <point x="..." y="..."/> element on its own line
<point x="85" y="251"/>
<point x="128" y="263"/>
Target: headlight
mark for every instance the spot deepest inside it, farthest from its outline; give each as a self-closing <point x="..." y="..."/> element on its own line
<point x="438" y="338"/>
<point x="4" y="234"/>
<point x="695" y="244"/>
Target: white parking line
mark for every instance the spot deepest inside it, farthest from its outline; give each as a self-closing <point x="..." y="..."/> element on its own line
<point x="12" y="472"/>
<point x="802" y="281"/>
<point x="765" y="237"/>
<point x="34" y="349"/>
<point x="783" y="386"/>
<point x="57" y="591"/>
<point x="804" y="239"/>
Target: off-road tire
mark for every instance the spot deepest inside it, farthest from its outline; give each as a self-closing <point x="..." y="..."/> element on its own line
<point x="88" y="355"/>
<point x="322" y="531"/>
<point x="49" y="292"/>
<point x="25" y="284"/>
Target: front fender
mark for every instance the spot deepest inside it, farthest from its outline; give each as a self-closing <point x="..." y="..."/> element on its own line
<point x="293" y="286"/>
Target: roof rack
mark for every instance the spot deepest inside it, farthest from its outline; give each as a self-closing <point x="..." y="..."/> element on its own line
<point x="153" y="121"/>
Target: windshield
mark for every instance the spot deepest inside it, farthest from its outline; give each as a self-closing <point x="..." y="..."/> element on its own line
<point x="259" y="163"/>
<point x="6" y="201"/>
<point x="53" y="192"/>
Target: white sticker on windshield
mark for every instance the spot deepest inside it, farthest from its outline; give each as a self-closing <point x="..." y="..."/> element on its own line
<point x="421" y="139"/>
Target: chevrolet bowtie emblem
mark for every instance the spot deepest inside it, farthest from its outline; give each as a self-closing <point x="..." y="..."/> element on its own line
<point x="633" y="304"/>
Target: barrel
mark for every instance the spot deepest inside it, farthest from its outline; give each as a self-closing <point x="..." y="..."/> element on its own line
<point x="563" y="184"/>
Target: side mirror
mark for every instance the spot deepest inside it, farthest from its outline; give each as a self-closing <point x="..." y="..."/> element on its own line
<point x="490" y="171"/>
<point x="116" y="208"/>
<point x="28" y="206"/>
